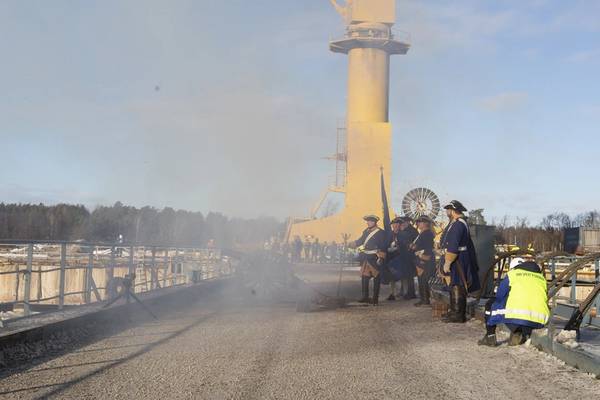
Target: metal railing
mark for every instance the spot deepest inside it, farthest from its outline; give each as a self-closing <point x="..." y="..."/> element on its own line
<point x="37" y="275"/>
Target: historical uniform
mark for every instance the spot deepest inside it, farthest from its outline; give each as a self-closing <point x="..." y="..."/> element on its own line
<point x="464" y="270"/>
<point x="371" y="246"/>
<point x="307" y="248"/>
<point x="425" y="259"/>
<point x="397" y="255"/>
<point x="408" y="271"/>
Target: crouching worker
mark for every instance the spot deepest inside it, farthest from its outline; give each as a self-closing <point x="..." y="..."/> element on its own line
<point x="521" y="303"/>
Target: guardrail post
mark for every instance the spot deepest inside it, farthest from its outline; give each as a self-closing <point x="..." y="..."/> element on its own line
<point x="131" y="267"/>
<point x="88" y="278"/>
<point x="111" y="267"/>
<point x="174" y="266"/>
<point x="165" y="267"/>
<point x="574" y="288"/>
<point x="27" y="280"/>
<point x="63" y="265"/>
<point x="17" y="282"/>
<point x="553" y="268"/>
<point x="153" y="273"/>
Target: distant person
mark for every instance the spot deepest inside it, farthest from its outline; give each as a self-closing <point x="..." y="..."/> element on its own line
<point x="316" y="251"/>
<point x="307" y="248"/>
<point x="521" y="303"/>
<point x="371" y="247"/>
<point x="406" y="236"/>
<point x="394" y="261"/>
<point x="333" y="252"/>
<point x="459" y="263"/>
<point x="425" y="258"/>
<point x="324" y="255"/>
<point x="297" y="249"/>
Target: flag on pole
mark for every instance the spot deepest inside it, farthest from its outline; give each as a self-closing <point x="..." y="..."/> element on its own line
<point x="386" y="209"/>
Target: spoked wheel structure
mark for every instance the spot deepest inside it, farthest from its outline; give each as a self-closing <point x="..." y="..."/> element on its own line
<point x="419" y="202"/>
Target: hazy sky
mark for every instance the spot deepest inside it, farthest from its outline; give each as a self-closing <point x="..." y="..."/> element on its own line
<point x="229" y="105"/>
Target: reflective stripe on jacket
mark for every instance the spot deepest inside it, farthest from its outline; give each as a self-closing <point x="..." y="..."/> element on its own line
<point x="527" y="299"/>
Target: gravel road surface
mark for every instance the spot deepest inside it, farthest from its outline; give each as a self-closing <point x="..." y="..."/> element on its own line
<point x="229" y="346"/>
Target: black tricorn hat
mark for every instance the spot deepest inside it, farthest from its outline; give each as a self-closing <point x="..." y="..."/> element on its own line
<point x="424" y="218"/>
<point x="401" y="219"/>
<point x="371" y="217"/>
<point x="455" y="205"/>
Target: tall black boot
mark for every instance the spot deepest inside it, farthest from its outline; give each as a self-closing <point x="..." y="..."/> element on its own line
<point x="426" y="291"/>
<point x="451" y="308"/>
<point x="423" y="291"/>
<point x="376" y="287"/>
<point x="409" y="285"/>
<point x="459" y="296"/>
<point x="365" y="290"/>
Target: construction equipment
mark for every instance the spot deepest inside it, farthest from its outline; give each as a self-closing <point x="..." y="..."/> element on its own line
<point x="577" y="318"/>
<point x="369" y="43"/>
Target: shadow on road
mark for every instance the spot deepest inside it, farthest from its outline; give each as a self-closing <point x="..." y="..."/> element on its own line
<point x="61" y="387"/>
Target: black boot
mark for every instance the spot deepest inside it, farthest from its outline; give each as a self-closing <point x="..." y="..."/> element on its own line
<point x="451" y="315"/>
<point x="365" y="290"/>
<point x="488" y="340"/>
<point x="516" y="339"/>
<point x="411" y="292"/>
<point x="423" y="291"/>
<point x="490" y="337"/>
<point x="376" y="288"/>
<point x="462" y="304"/>
<point x="459" y="307"/>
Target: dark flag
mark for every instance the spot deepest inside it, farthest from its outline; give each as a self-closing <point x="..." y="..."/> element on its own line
<point x="386" y="209"/>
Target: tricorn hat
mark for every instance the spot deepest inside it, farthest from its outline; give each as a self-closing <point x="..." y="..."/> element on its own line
<point x="424" y="218"/>
<point x="455" y="205"/>
<point x="371" y="217"/>
<point x="401" y="219"/>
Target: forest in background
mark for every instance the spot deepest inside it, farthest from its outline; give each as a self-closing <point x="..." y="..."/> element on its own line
<point x="148" y="225"/>
<point x="548" y="235"/>
<point x="145" y="225"/>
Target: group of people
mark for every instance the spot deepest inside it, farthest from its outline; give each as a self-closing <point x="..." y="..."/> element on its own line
<point x="398" y="256"/>
<point x="316" y="252"/>
<point x="395" y="258"/>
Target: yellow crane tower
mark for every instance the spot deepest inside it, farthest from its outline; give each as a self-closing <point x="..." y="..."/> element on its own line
<point x="369" y="43"/>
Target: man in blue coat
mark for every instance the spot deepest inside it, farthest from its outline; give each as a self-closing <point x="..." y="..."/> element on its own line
<point x="371" y="246"/>
<point x="396" y="255"/>
<point x="459" y="263"/>
<point x="521" y="303"/>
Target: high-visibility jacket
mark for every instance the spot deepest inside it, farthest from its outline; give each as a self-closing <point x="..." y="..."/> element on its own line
<point x="522" y="299"/>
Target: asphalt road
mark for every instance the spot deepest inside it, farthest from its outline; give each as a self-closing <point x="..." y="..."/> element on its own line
<point x="229" y="346"/>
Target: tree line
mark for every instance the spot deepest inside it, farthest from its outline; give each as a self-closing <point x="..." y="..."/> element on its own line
<point x="548" y="235"/>
<point x="146" y="225"/>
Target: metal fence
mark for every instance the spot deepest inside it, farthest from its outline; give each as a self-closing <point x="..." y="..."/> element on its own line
<point x="40" y="275"/>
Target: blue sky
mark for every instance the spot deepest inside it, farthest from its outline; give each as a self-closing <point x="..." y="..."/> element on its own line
<point x="229" y="105"/>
